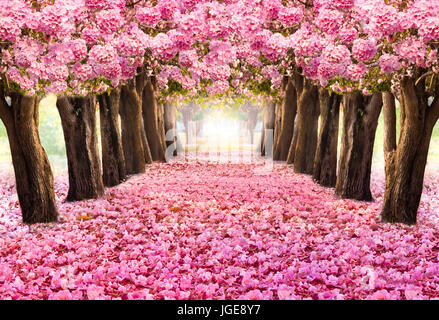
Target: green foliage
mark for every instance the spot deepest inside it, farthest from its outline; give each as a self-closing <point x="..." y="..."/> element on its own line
<point x="4" y="145"/>
<point x="174" y="89"/>
<point x="51" y="133"/>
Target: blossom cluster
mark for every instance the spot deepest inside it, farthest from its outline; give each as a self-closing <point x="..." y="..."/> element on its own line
<point x="377" y="38"/>
<point x="69" y="47"/>
<point x="220" y="47"/>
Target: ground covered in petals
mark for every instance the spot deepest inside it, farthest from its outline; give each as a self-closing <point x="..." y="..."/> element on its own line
<point x="219" y="231"/>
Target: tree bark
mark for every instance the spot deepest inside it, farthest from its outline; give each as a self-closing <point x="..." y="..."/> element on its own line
<point x="78" y="118"/>
<point x="251" y="114"/>
<point x="141" y="80"/>
<point x="406" y="166"/>
<point x="277" y="126"/>
<point x="188" y="116"/>
<point x="161" y="122"/>
<point x="325" y="161"/>
<point x="268" y="118"/>
<point x="132" y="129"/>
<point x="288" y="116"/>
<point x="307" y="127"/>
<point x="299" y="82"/>
<point x="113" y="159"/>
<point x="33" y="175"/>
<point x="360" y="120"/>
<point x="389" y="112"/>
<point x="151" y="121"/>
<point x="170" y="123"/>
<point x="146" y="150"/>
<point x="252" y="121"/>
<point x="278" y="114"/>
<point x="292" y="150"/>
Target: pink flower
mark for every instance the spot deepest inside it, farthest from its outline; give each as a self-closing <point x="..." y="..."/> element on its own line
<point x="329" y="20"/>
<point x="285" y="294"/>
<point x="412" y="294"/>
<point x="163" y="47"/>
<point x="61" y="295"/>
<point x="109" y="21"/>
<point x="380" y="295"/>
<point x="79" y="48"/>
<point x="290" y="16"/>
<point x="58" y="73"/>
<point x="356" y="71"/>
<point x="148" y="16"/>
<point x="389" y="63"/>
<point x="82" y="72"/>
<point x="96" y="4"/>
<point x="252" y="295"/>
<point x="94" y="292"/>
<point x="9" y="30"/>
<point x="140" y="295"/>
<point x="364" y="50"/>
<point x="187" y="58"/>
<point x="57" y="87"/>
<point x="276" y="47"/>
<point x="385" y="19"/>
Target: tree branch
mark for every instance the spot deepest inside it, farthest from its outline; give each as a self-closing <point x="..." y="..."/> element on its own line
<point x="298" y="82"/>
<point x="425" y="75"/>
<point x="132" y="4"/>
<point x="408" y="94"/>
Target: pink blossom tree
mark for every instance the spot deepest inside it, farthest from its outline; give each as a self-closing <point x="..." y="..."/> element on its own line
<point x="19" y="103"/>
<point x="362" y="49"/>
<point x="74" y="50"/>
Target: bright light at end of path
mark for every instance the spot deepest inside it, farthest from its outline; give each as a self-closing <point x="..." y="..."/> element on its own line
<point x="216" y="127"/>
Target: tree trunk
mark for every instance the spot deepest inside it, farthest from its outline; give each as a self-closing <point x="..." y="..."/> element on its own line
<point x="252" y="121"/>
<point x="277" y="127"/>
<point x="198" y="127"/>
<point x="78" y="118"/>
<point x="113" y="160"/>
<point x="33" y="175"/>
<point x="389" y="111"/>
<point x="406" y="166"/>
<point x="307" y="127"/>
<point x="299" y="82"/>
<point x="292" y="150"/>
<point x="151" y="121"/>
<point x="360" y="120"/>
<point x="268" y="118"/>
<point x="161" y="122"/>
<point x="289" y="110"/>
<point x="170" y="123"/>
<point x="146" y="150"/>
<point x="132" y="129"/>
<point x="187" y="116"/>
<point x="325" y="161"/>
<point x="278" y="114"/>
<point x="141" y="80"/>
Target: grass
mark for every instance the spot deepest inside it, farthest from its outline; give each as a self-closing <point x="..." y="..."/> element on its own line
<point x="433" y="155"/>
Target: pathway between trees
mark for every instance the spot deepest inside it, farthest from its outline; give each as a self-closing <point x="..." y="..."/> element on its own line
<point x="219" y="231"/>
